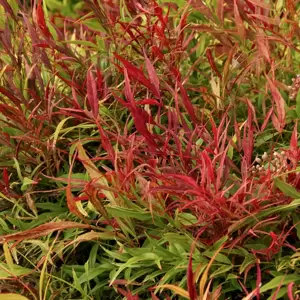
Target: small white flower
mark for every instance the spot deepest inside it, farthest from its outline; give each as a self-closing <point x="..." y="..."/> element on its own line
<point x="264" y="156"/>
<point x="258" y="160"/>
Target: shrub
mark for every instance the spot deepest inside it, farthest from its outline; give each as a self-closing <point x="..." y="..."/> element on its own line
<point x="150" y="149"/>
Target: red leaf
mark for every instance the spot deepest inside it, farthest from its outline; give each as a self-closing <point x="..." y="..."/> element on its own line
<point x="6" y="178"/>
<point x="100" y="83"/>
<point x="72" y="203"/>
<point x="128" y="294"/>
<point x="181" y="27"/>
<point x="266" y="120"/>
<point x="75" y="101"/>
<point x="40" y="17"/>
<point x="187" y="103"/>
<point x="154" y="297"/>
<point x="263" y="46"/>
<point x="290" y="291"/>
<point x="266" y="20"/>
<point x="9" y="95"/>
<point x="190" y="280"/>
<point x="125" y="104"/>
<point x="258" y="279"/>
<point x="276" y="123"/>
<point x="138" y="75"/>
<point x="92" y="93"/>
<point x="41" y="45"/>
<point x="41" y="230"/>
<point x="152" y="74"/>
<point x="189" y="180"/>
<point x="140" y="7"/>
<point x="258" y="3"/>
<point x="149" y="101"/>
<point x="290" y="5"/>
<point x="159" y="13"/>
<point x="212" y="62"/>
<point x="220" y="10"/>
<point x="238" y="21"/>
<point x="127" y="91"/>
<point x="157" y="53"/>
<point x="175" y="73"/>
<point x="294" y="146"/>
<point x="138" y="115"/>
<point x="280" y="103"/>
<point x="294" y="140"/>
<point x="203" y="8"/>
<point x="140" y="125"/>
<point x="237" y="133"/>
<point x="210" y="170"/>
<point x="250" y="5"/>
<point x="106" y="143"/>
<point x="248" y="143"/>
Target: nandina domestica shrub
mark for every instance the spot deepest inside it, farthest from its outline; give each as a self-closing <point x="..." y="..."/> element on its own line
<point x="150" y="149"/>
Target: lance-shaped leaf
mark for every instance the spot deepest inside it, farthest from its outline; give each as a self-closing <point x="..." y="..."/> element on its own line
<point x="138" y="75"/>
<point x="41" y="230"/>
<point x="279" y="102"/>
<point x="92" y="93"/>
<point x="94" y="173"/>
<point x="40" y="18"/>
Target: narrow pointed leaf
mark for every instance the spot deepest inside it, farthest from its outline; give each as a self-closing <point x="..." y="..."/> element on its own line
<point x="40" y="16"/>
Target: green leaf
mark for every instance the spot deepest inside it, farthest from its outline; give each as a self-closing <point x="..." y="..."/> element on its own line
<point x="263" y="139"/>
<point x="132" y="262"/>
<point x="253" y="219"/>
<point x="287" y="189"/>
<point x="17" y="271"/>
<point x="221" y="270"/>
<point x="220" y="242"/>
<point x="14" y="5"/>
<point x="10" y="296"/>
<point x="220" y="257"/>
<point x="248" y="261"/>
<point x="186" y="219"/>
<point x="152" y="276"/>
<point x="281" y="293"/>
<point x="58" y="129"/>
<point x="298" y="104"/>
<point x="280" y="280"/>
<point x="116" y="255"/>
<point x="177" y="271"/>
<point x="116" y="211"/>
<point x="95" y="272"/>
<point x="76" y="282"/>
<point x="296" y="221"/>
<point x="26" y="181"/>
<point x="94" y="25"/>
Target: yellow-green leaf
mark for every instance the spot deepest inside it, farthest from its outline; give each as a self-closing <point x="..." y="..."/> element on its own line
<point x="94" y="173"/>
<point x="176" y="289"/>
<point x="10" y="296"/>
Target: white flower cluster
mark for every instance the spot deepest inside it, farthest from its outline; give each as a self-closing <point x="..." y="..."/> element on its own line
<point x="276" y="162"/>
<point x="294" y="89"/>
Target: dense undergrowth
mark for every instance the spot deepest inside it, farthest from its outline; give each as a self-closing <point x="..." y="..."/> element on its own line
<point x="149" y="150"/>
